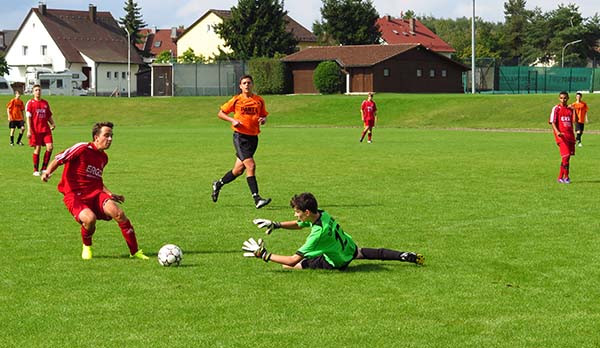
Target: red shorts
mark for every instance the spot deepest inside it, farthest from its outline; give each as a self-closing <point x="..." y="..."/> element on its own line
<point x="40" y="139"/>
<point x="566" y="148"/>
<point x="369" y="122"/>
<point x="75" y="203"/>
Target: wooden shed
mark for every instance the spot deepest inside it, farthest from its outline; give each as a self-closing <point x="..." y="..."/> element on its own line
<point x="402" y="68"/>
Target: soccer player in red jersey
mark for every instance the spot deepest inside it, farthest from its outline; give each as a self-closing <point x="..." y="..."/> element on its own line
<point x="249" y="114"/>
<point x="368" y="112"/>
<point x="561" y="119"/>
<point x="85" y="195"/>
<point x="40" y="125"/>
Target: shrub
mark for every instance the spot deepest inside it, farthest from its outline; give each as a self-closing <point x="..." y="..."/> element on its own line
<point x="328" y="78"/>
<point x="270" y="75"/>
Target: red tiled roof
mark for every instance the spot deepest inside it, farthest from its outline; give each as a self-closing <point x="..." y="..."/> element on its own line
<point x="300" y="32"/>
<point x="150" y="41"/>
<point x="397" y="31"/>
<point x="349" y="56"/>
<point x="73" y="32"/>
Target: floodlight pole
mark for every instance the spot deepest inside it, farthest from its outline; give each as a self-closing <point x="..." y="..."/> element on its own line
<point x="562" y="64"/>
<point x="473" y="50"/>
<point x="128" y="62"/>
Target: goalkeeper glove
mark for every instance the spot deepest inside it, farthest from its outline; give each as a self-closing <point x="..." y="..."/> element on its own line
<point x="268" y="224"/>
<point x="256" y="249"/>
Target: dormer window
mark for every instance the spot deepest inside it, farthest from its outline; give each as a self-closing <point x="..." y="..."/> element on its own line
<point x="157" y="43"/>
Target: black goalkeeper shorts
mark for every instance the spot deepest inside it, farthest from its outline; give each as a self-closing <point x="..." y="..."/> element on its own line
<point x="245" y="145"/>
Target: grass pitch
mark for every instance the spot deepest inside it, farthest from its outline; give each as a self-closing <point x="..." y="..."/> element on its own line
<point x="511" y="256"/>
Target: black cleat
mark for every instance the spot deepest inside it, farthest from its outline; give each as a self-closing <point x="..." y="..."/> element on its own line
<point x="261" y="202"/>
<point x="215" y="191"/>
<point x="413" y="258"/>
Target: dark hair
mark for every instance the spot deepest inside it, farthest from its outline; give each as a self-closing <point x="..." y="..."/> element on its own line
<point x="579" y="94"/>
<point x="246" y="77"/>
<point x="305" y="201"/>
<point x="564" y="92"/>
<point x="98" y="126"/>
<point x="36" y="85"/>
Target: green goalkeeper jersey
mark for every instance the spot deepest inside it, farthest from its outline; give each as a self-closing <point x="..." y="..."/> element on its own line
<point x="328" y="239"/>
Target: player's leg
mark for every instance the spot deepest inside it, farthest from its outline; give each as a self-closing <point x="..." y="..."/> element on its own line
<point x="237" y="170"/>
<point x="250" y="166"/>
<point x="87" y="219"/>
<point x="580" y="127"/>
<point x="36" y="159"/>
<point x="364" y="131"/>
<point x="114" y="211"/>
<point x="21" y="131"/>
<point x="11" y="128"/>
<point x="47" y="154"/>
<point x="388" y="254"/>
<point x="370" y="133"/>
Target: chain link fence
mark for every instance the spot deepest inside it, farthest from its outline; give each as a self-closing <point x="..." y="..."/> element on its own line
<point x="220" y="78"/>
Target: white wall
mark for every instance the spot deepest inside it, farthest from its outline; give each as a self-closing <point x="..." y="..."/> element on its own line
<point x="33" y="35"/>
<point x="202" y="38"/>
<point x="106" y="85"/>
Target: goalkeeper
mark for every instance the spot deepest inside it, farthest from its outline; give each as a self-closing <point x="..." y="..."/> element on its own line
<point x="326" y="247"/>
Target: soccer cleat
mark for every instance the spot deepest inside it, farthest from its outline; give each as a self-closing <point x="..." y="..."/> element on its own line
<point x="560" y="181"/>
<point x="215" y="191"/>
<point x="20" y="143"/>
<point x="86" y="252"/>
<point x="580" y="145"/>
<point x="261" y="202"/>
<point x="12" y="144"/>
<point x="139" y="255"/>
<point x="36" y="173"/>
<point x="369" y="141"/>
<point x="413" y="258"/>
<point x="567" y="181"/>
<point x="420" y="259"/>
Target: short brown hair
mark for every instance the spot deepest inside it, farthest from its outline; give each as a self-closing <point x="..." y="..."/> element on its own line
<point x="98" y="126"/>
<point x="305" y="201"/>
<point x="36" y="85"/>
<point x="246" y="77"/>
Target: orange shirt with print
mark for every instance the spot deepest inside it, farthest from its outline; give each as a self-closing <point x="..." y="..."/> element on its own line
<point x="581" y="110"/>
<point x="247" y="110"/>
<point x="15" y="109"/>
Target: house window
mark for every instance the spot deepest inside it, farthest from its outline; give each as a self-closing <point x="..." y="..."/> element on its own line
<point x="419" y="72"/>
<point x="45" y="84"/>
<point x="75" y="76"/>
<point x="123" y="75"/>
<point x="59" y="83"/>
<point x="157" y="43"/>
<point x="386" y="72"/>
<point x="116" y="74"/>
<point x="208" y="28"/>
<point x="431" y="73"/>
<point x="3" y="85"/>
<point x="444" y="73"/>
<point x="43" y="50"/>
<point x="108" y="75"/>
<point x="25" y="50"/>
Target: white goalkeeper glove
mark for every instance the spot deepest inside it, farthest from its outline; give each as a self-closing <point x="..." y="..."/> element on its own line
<point x="268" y="224"/>
<point x="253" y="248"/>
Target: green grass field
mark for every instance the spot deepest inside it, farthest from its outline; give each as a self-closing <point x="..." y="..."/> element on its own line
<point x="511" y="256"/>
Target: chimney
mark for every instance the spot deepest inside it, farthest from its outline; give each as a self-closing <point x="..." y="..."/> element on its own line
<point x="154" y="29"/>
<point x="389" y="18"/>
<point x="92" y="13"/>
<point x="42" y="8"/>
<point x="411" y="23"/>
<point x="173" y="33"/>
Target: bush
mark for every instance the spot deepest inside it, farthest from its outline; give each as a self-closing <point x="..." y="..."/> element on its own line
<point x="328" y="78"/>
<point x="270" y="75"/>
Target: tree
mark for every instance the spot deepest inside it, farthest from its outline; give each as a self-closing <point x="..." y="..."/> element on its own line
<point x="517" y="24"/>
<point x="257" y="28"/>
<point x="164" y="57"/>
<point x="189" y="57"/>
<point x="132" y="21"/>
<point x="349" y="22"/>
<point x="3" y="65"/>
<point x="328" y="77"/>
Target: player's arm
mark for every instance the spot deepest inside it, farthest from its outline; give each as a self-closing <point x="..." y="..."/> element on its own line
<point x="28" y="118"/>
<point x="273" y="225"/>
<point x="50" y="169"/>
<point x="289" y="261"/>
<point x="115" y="197"/>
<point x="51" y="122"/>
<point x="225" y="117"/>
<point x="258" y="249"/>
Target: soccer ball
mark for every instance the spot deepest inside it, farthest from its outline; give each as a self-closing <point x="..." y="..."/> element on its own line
<point x="170" y="255"/>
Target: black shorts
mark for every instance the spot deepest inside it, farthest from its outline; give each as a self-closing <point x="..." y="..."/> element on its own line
<point x="16" y="124"/>
<point x="245" y="145"/>
<point x="579" y="127"/>
<point x="319" y="262"/>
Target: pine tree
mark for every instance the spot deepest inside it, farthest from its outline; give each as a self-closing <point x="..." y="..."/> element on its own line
<point x="3" y="65"/>
<point x="349" y="22"/>
<point x="133" y="20"/>
<point x="257" y="28"/>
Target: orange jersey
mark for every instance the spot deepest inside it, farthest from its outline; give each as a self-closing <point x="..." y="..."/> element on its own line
<point x="581" y="110"/>
<point x="247" y="111"/>
<point x="15" y="108"/>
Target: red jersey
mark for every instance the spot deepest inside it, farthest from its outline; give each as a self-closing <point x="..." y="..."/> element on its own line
<point x="368" y="108"/>
<point x="39" y="111"/>
<point x="563" y="117"/>
<point x="83" y="169"/>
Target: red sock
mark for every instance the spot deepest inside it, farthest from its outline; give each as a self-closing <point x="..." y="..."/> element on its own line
<point x="86" y="236"/>
<point x="564" y="167"/>
<point x="370" y="135"/>
<point x="129" y="235"/>
<point x="47" y="156"/>
<point x="36" y="161"/>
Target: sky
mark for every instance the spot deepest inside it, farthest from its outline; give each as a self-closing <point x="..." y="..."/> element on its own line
<point x="170" y="13"/>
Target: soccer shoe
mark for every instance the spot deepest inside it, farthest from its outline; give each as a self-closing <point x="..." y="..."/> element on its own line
<point x="561" y="181"/>
<point x="20" y="143"/>
<point x="580" y="145"/>
<point x="139" y="255"/>
<point x="369" y="141"/>
<point x="37" y="173"/>
<point x="86" y="252"/>
<point x="215" y="191"/>
<point x="261" y="202"/>
<point x="567" y="181"/>
<point x="420" y="259"/>
<point x="413" y="258"/>
<point x="12" y="144"/>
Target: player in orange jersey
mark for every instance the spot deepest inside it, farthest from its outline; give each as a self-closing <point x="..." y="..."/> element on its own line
<point x="249" y="113"/>
<point x="14" y="110"/>
<point x="581" y="108"/>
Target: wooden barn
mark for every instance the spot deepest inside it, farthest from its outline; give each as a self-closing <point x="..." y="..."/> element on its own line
<point x="402" y="68"/>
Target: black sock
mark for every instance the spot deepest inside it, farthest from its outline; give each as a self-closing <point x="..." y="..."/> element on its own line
<point x="226" y="179"/>
<point x="19" y="138"/>
<point x="12" y="139"/>
<point x="383" y="254"/>
<point x="253" y="185"/>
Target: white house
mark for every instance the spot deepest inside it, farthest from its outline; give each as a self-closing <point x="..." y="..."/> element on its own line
<point x="90" y="43"/>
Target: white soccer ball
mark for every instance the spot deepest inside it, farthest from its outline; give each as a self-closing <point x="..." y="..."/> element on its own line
<point x="170" y="255"/>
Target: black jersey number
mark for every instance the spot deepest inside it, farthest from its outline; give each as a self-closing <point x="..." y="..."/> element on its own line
<point x="339" y="238"/>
